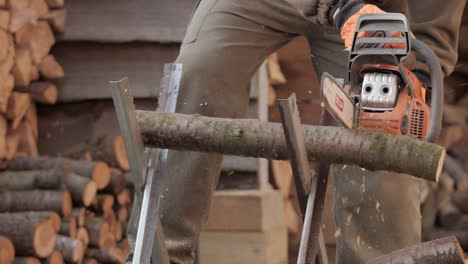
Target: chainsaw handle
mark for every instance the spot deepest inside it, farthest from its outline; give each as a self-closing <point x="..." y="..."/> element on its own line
<point x="437" y="92"/>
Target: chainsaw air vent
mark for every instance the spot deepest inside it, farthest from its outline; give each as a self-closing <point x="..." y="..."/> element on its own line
<point x="417" y="123"/>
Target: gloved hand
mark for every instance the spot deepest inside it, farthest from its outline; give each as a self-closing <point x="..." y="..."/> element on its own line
<point x="348" y="28"/>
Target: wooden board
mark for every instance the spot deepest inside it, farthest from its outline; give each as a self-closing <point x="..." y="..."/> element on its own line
<point x="268" y="247"/>
<point x="124" y="21"/>
<point x="90" y="66"/>
<point x="245" y="210"/>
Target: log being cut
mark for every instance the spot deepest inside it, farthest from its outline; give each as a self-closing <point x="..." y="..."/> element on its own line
<point x="249" y="137"/>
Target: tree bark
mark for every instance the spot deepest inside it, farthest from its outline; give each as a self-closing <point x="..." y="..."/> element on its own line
<point x="117" y="182"/>
<point x="99" y="232"/>
<point x="105" y="202"/>
<point x="68" y="227"/>
<point x="90" y="261"/>
<point x="83" y="190"/>
<point x="460" y="199"/>
<point x="98" y="171"/>
<point x="106" y="255"/>
<point x="30" y="237"/>
<point x="26" y="260"/>
<point x="83" y="236"/>
<point x="7" y="250"/>
<point x="80" y="215"/>
<point x="36" y="200"/>
<point x="71" y="249"/>
<point x="55" y="258"/>
<point x="247" y="137"/>
<point x="30" y="180"/>
<point x="441" y="251"/>
<point x="54" y="218"/>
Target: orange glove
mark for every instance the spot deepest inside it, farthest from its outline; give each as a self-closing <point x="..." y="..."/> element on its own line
<point x="349" y="27"/>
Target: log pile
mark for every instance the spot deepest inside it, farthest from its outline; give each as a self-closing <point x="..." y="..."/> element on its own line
<point x="64" y="210"/>
<point x="27" y="70"/>
<point x="445" y="211"/>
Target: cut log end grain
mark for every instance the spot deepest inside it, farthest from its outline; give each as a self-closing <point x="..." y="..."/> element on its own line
<point x="44" y="239"/>
<point x="80" y="215"/>
<point x="122" y="214"/>
<point x="106" y="255"/>
<point x="18" y="105"/>
<point x="20" y="18"/>
<point x="105" y="202"/>
<point x="55" y="258"/>
<point x="71" y="249"/>
<point x="67" y="204"/>
<point x="68" y="227"/>
<point x="56" y="19"/>
<point x="55" y="3"/>
<point x="6" y="88"/>
<point x="34" y="75"/>
<point x="26" y="260"/>
<point x="82" y="189"/>
<point x="50" y="68"/>
<point x="40" y="7"/>
<point x="124" y="197"/>
<point x="55" y="220"/>
<point x="4" y="19"/>
<point x="121" y="153"/>
<point x="101" y="175"/>
<point x="27" y="142"/>
<point x="7" y="251"/>
<point x="43" y="92"/>
<point x="83" y="236"/>
<point x="117" y="182"/>
<point x="22" y="67"/>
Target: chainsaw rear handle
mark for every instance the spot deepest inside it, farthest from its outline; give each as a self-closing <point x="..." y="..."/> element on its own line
<point x="437" y="92"/>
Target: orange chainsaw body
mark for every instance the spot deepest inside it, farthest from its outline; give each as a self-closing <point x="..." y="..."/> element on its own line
<point x="410" y="116"/>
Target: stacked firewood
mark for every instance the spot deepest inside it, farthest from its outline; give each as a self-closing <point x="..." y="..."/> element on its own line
<point x="57" y="209"/>
<point x="447" y="205"/>
<point x="26" y="69"/>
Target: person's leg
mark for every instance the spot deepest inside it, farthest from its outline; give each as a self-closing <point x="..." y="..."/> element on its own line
<point x="225" y="43"/>
<point x="375" y="212"/>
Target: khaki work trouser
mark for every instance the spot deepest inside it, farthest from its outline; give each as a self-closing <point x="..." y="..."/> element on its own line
<point x="226" y="41"/>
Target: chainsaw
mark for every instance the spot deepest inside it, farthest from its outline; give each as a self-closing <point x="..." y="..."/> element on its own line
<point x="381" y="94"/>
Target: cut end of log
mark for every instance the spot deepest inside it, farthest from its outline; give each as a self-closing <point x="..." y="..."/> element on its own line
<point x="89" y="193"/>
<point x="124" y="198"/>
<point x="44" y="239"/>
<point x="101" y="175"/>
<point x="7" y="251"/>
<point x="90" y="261"/>
<point x="122" y="214"/>
<point x="55" y="220"/>
<point x="121" y="153"/>
<point x="80" y="215"/>
<point x="440" y="166"/>
<point x="72" y="229"/>
<point x="67" y="204"/>
<point x="55" y="258"/>
<point x="78" y="252"/>
<point x="108" y="240"/>
<point x="82" y="235"/>
<point x="106" y="202"/>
